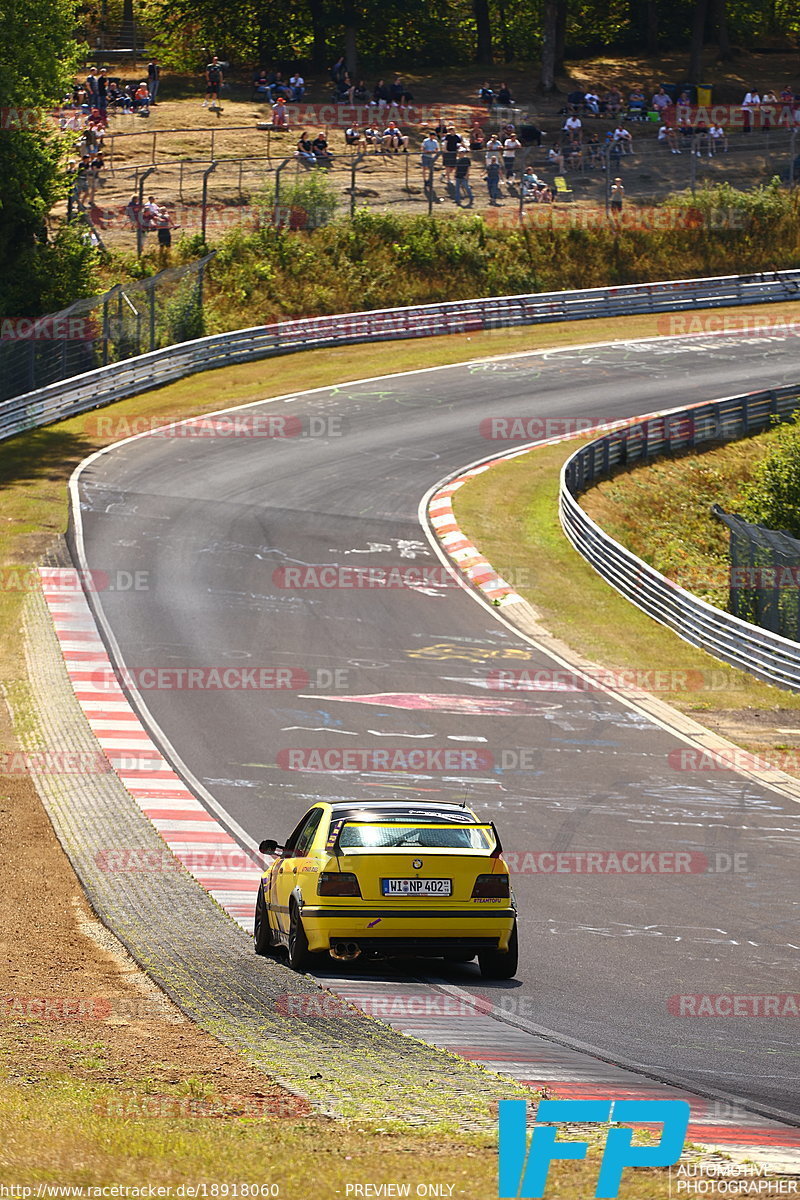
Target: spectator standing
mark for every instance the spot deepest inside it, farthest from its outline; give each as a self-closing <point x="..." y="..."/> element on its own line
<point x="102" y="91"/>
<point x="92" y="91"/>
<point x="476" y="138"/>
<point x="510" y="147"/>
<point x="451" y="144"/>
<point x="429" y="153"/>
<point x="280" y="119"/>
<point x="493" y="146"/>
<point x="768" y="104"/>
<point x="214" y="81"/>
<point x="493" y="179"/>
<point x="617" y="195"/>
<point x="750" y="105"/>
<point x="463" y="164"/>
<point x="153" y="79"/>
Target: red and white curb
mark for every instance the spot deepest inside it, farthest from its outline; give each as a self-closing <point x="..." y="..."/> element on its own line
<point x="197" y="840"/>
<point x="464" y="554"/>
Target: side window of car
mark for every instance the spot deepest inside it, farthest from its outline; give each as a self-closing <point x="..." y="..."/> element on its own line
<point x="306" y="835"/>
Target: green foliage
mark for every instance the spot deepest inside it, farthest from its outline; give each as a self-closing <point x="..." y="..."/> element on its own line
<point x="184" y="314"/>
<point x="773" y="496"/>
<point x="305" y="201"/>
<point x="382" y="259"/>
<point x="38" y="54"/>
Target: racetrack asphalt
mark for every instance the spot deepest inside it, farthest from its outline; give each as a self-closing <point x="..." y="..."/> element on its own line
<point x="213" y="523"/>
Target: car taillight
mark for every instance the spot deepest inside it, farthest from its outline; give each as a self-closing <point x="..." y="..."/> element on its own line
<point x="490" y="886"/>
<point x="338" y="883"/>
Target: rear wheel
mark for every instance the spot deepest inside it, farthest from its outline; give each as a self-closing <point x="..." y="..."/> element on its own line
<point x="262" y="935"/>
<point x="299" y="953"/>
<point x="500" y="964"/>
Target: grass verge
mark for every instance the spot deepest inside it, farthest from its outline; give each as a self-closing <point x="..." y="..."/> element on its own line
<point x="511" y="514"/>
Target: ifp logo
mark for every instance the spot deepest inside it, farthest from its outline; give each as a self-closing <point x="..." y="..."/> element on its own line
<point x="523" y="1167"/>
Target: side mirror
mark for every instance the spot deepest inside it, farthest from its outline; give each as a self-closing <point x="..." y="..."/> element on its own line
<point x="268" y="846"/>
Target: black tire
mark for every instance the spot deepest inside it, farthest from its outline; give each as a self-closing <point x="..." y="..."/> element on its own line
<point x="262" y="935"/>
<point x="299" y="953"/>
<point x="500" y="964"/>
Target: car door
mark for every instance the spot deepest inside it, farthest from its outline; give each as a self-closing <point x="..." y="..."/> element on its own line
<point x="285" y="874"/>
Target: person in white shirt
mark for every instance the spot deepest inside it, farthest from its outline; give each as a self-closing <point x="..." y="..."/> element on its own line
<point x="573" y="126"/>
<point x="510" y="147"/>
<point x="298" y="86"/>
<point x="494" y="147"/>
<point x="592" y="102"/>
<point x="750" y="104"/>
<point x="624" y="140"/>
<point x="669" y="138"/>
<point x="717" y="139"/>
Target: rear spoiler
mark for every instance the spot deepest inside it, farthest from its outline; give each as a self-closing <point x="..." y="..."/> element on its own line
<point x="334" y="836"/>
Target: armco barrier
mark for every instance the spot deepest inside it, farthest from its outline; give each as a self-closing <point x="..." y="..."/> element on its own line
<point x="765" y="654"/>
<point x="107" y="384"/>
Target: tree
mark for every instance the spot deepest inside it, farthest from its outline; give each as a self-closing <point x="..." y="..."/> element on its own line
<point x="720" y="11"/>
<point x="551" y="17"/>
<point x="483" y="28"/>
<point x="772" y="498"/>
<point x="699" y="15"/>
<point x="38" y="55"/>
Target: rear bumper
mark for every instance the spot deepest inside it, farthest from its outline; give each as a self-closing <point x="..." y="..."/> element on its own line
<point x="424" y="931"/>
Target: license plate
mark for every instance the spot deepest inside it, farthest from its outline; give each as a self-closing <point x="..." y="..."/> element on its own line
<point x="417" y="887"/>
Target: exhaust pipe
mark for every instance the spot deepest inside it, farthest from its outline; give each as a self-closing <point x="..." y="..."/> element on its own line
<point x="345" y="951"/>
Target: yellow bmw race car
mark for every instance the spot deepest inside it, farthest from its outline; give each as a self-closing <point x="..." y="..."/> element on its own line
<point x="389" y="879"/>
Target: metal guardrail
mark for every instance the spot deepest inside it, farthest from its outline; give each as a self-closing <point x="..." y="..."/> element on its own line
<point x="765" y="654"/>
<point x="119" y="380"/>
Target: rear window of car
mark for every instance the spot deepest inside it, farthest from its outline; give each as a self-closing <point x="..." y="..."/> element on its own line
<point x="396" y="835"/>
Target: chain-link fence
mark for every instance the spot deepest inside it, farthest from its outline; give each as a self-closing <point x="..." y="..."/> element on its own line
<point x="216" y="195"/>
<point x="764" y="575"/>
<point x="132" y="318"/>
